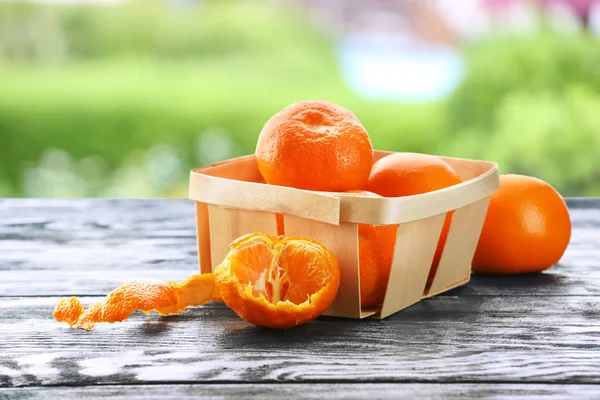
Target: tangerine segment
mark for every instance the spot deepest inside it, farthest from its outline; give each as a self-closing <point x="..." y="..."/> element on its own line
<point x="146" y="295"/>
<point x="278" y="282"/>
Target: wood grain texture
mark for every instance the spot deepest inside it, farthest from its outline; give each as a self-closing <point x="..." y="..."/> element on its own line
<point x="413" y="252"/>
<point x="228" y="224"/>
<point x="455" y="264"/>
<point x="527" y="336"/>
<point x="312" y="391"/>
<point x="443" y="339"/>
<point x="226" y="184"/>
<point x="60" y="247"/>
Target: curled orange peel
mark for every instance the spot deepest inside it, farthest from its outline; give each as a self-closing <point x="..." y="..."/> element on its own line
<point x="147" y="295"/>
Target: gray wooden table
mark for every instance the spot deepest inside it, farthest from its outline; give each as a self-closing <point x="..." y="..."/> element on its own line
<point x="533" y="336"/>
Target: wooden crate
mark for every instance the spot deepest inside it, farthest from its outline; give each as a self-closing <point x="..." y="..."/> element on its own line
<point x="231" y="201"/>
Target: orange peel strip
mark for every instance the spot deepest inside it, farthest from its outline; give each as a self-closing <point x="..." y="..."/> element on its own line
<point x="147" y="295"/>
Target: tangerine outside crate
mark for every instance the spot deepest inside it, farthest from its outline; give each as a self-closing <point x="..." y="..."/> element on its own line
<point x="231" y="201"/>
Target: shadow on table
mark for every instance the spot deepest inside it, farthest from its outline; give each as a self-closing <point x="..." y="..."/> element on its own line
<point x="526" y="284"/>
<point x="155" y="328"/>
<point x="228" y="331"/>
<point x="309" y="334"/>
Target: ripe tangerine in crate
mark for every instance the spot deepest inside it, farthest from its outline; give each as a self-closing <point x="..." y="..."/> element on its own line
<point x="231" y="201"/>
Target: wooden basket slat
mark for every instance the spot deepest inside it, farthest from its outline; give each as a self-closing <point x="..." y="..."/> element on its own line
<point x="228" y="224"/>
<point x="203" y="235"/>
<point x="342" y="241"/>
<point x="455" y="265"/>
<point x="415" y="246"/>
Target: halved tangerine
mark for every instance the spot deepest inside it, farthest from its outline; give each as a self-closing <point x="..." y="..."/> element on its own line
<point x="277" y="282"/>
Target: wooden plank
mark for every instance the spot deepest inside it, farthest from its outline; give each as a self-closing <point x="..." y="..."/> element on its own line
<point x="565" y="279"/>
<point x="455" y="265"/>
<point x="227" y="224"/>
<point x="278" y="391"/>
<point x="443" y="339"/>
<point x="80" y="234"/>
<point x="90" y="282"/>
<point x="88" y="246"/>
<point x="415" y="246"/>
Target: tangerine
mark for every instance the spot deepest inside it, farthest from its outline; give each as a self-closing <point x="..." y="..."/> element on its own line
<point x="407" y="174"/>
<point x="527" y="228"/>
<point x="277" y="282"/>
<point x="315" y="145"/>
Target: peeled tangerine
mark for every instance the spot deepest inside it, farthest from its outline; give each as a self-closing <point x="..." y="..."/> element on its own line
<point x="275" y="282"/>
<point x="278" y="282"/>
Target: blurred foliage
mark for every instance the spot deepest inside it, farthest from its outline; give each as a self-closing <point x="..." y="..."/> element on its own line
<point x="161" y="29"/>
<point x="123" y="101"/>
<point x="532" y="104"/>
<point x="502" y="64"/>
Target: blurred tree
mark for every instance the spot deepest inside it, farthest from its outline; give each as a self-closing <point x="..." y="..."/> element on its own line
<point x="502" y="64"/>
<point x="533" y="105"/>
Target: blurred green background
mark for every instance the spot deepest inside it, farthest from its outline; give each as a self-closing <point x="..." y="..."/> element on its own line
<point x="122" y="99"/>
